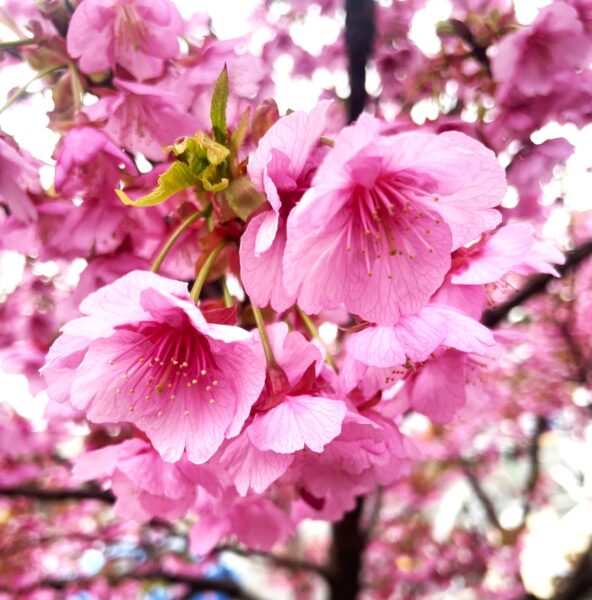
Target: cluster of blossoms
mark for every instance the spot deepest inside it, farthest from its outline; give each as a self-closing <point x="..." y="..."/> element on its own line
<point x="222" y="242"/>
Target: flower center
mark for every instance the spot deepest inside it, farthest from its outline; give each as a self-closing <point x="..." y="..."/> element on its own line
<point x="166" y="363"/>
<point x="388" y="221"/>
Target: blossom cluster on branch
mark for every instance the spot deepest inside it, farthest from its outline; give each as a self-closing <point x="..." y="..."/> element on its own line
<point x="266" y="301"/>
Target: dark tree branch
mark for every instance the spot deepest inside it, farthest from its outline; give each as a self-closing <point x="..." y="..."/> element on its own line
<point x="285" y="562"/>
<point x="579" y="360"/>
<point x="536" y="285"/>
<point x="482" y="496"/>
<point x="534" y="461"/>
<point x="194" y="584"/>
<point x="47" y="495"/>
<point x="478" y="51"/>
<point x="579" y="581"/>
<point x="360" y="29"/>
<point x="347" y="550"/>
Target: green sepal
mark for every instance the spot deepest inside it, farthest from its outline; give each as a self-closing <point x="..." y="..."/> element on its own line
<point x="237" y="139"/>
<point x="243" y="198"/>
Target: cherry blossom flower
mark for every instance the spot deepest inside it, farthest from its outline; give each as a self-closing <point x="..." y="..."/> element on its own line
<point x="281" y="167"/>
<point x="19" y="174"/>
<point x="145" y="354"/>
<point x="377" y="227"/>
<point x="139" y="35"/>
<point x="532" y="59"/>
<point x="142" y="118"/>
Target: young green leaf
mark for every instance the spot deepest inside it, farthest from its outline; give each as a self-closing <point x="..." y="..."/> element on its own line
<point x="176" y="178"/>
<point x="218" y="107"/>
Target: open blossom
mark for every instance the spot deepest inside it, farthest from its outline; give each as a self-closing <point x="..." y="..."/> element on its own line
<point x="145" y="354"/>
<point x="88" y="163"/>
<point x="299" y="412"/>
<point x="534" y="59"/>
<point x="376" y="229"/>
<point x="531" y="168"/>
<point x="281" y="167"/>
<point x="145" y="485"/>
<point x="139" y="35"/>
<point x="19" y="174"/>
<point x="88" y="166"/>
<point x="142" y="118"/>
<point x="255" y="521"/>
<point x="513" y="248"/>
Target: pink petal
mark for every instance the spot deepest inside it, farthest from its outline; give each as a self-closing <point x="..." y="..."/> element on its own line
<point x="297" y="422"/>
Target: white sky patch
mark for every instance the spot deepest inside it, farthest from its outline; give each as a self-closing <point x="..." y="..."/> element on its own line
<point x="527" y="10"/>
<point x="315" y="31"/>
<point x="423" y="25"/>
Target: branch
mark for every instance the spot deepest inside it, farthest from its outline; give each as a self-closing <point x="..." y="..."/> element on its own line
<point x="347" y="550"/>
<point x="285" y="562"/>
<point x="46" y="495"/>
<point x="360" y="29"/>
<point x="194" y="584"/>
<point x="536" y="285"/>
<point x="478" y="51"/>
<point x="482" y="496"/>
<point x="534" y="453"/>
<point x="575" y="351"/>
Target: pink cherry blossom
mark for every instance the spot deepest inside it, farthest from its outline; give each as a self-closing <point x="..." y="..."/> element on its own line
<point x="531" y="60"/>
<point x="143" y="118"/>
<point x="139" y="35"/>
<point x="248" y="467"/>
<point x="415" y="337"/>
<point x="145" y="354"/>
<point x="280" y="167"/>
<point x="303" y="414"/>
<point x="531" y="168"/>
<point x="88" y="162"/>
<point x="89" y="165"/>
<point x="145" y="485"/>
<point x="257" y="522"/>
<point x="19" y="174"/>
<point x="513" y="248"/>
<point x="377" y="227"/>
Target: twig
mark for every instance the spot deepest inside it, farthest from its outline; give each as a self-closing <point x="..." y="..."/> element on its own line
<point x="35" y="493"/>
<point x="195" y="584"/>
<point x="293" y="564"/>
<point x="534" y="452"/>
<point x="478" y="51"/>
<point x="482" y="496"/>
<point x="536" y="285"/>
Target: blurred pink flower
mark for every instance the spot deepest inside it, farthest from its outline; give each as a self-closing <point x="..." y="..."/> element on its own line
<point x="138" y="35"/>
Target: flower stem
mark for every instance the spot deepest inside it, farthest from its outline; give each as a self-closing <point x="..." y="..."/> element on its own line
<point x="23" y="90"/>
<point x="16" y="43"/>
<point x="314" y="332"/>
<point x="228" y="302"/>
<point x="203" y="273"/>
<point x="269" y="357"/>
<point x="173" y="238"/>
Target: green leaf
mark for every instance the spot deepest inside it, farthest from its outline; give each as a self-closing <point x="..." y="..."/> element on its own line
<point x="218" y="107"/>
<point x="176" y="178"/>
<point x="243" y="198"/>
